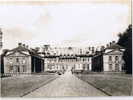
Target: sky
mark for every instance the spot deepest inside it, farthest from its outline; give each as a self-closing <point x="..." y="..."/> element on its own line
<point x="63" y="24"/>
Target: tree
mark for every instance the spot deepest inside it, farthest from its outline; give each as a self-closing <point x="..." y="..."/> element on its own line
<point x="125" y="40"/>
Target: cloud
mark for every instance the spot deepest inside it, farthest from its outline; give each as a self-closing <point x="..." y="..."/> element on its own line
<point x="77" y="24"/>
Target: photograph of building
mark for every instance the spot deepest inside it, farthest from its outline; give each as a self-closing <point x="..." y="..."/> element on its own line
<point x="66" y="48"/>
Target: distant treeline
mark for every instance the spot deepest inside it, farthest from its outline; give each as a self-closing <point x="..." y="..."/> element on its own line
<point x="125" y="40"/>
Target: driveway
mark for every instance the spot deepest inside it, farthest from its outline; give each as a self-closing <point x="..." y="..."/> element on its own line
<point x="66" y="85"/>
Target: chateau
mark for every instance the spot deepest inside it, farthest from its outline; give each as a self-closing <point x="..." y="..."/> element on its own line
<point x="23" y="60"/>
<point x="61" y="59"/>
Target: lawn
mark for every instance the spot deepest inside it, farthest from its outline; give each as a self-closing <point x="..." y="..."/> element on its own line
<point x="114" y="85"/>
<point x="17" y="86"/>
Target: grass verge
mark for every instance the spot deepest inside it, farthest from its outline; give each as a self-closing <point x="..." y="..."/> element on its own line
<point x="114" y="85"/>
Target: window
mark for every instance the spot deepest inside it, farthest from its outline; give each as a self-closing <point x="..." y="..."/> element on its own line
<point x="116" y="58"/>
<point x="83" y="59"/>
<point x="110" y="67"/>
<point x="10" y="68"/>
<point x="24" y="68"/>
<point x="49" y="67"/>
<point x="116" y="67"/>
<point x="88" y="66"/>
<point x="17" y="69"/>
<point x="17" y="59"/>
<point x="110" y="58"/>
<point x="88" y="59"/>
<point x="83" y="66"/>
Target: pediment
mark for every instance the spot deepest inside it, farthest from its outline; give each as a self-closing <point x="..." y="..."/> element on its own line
<point x="17" y="54"/>
<point x="115" y="52"/>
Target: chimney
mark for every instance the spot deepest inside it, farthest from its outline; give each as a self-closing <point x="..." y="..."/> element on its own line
<point x="19" y="44"/>
<point x="102" y="48"/>
<point x="110" y="43"/>
<point x="89" y="48"/>
<point x="107" y="45"/>
<point x="93" y="49"/>
<point x="113" y="42"/>
<point x="24" y="45"/>
<point x="27" y="46"/>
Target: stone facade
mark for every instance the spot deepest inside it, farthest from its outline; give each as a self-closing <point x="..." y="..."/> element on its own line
<point x="112" y="59"/>
<point x="109" y="60"/>
<point x="22" y="60"/>
<point x="55" y="59"/>
<point x="67" y="58"/>
<point x="17" y="63"/>
<point x="61" y="63"/>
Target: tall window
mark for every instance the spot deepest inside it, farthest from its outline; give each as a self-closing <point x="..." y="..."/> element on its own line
<point x="88" y="66"/>
<point x="116" y="67"/>
<point x="110" y="58"/>
<point x="18" y="69"/>
<point x="83" y="66"/>
<point x="88" y="59"/>
<point x="24" y="68"/>
<point x="83" y="59"/>
<point x="17" y="59"/>
<point x="110" y="67"/>
<point x="116" y="58"/>
<point x="10" y="68"/>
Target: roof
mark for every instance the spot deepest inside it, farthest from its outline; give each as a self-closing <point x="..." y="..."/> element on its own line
<point x="114" y="51"/>
<point x="115" y="46"/>
<point x="23" y="50"/>
<point x="84" y="55"/>
<point x="20" y="48"/>
<point x="50" y="56"/>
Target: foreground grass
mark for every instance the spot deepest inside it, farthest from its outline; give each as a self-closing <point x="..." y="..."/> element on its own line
<point x="115" y="85"/>
<point x="20" y="85"/>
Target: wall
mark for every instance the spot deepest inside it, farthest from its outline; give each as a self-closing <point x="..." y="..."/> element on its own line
<point x="12" y="66"/>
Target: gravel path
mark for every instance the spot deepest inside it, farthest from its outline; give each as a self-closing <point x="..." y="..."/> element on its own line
<point x="66" y="85"/>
